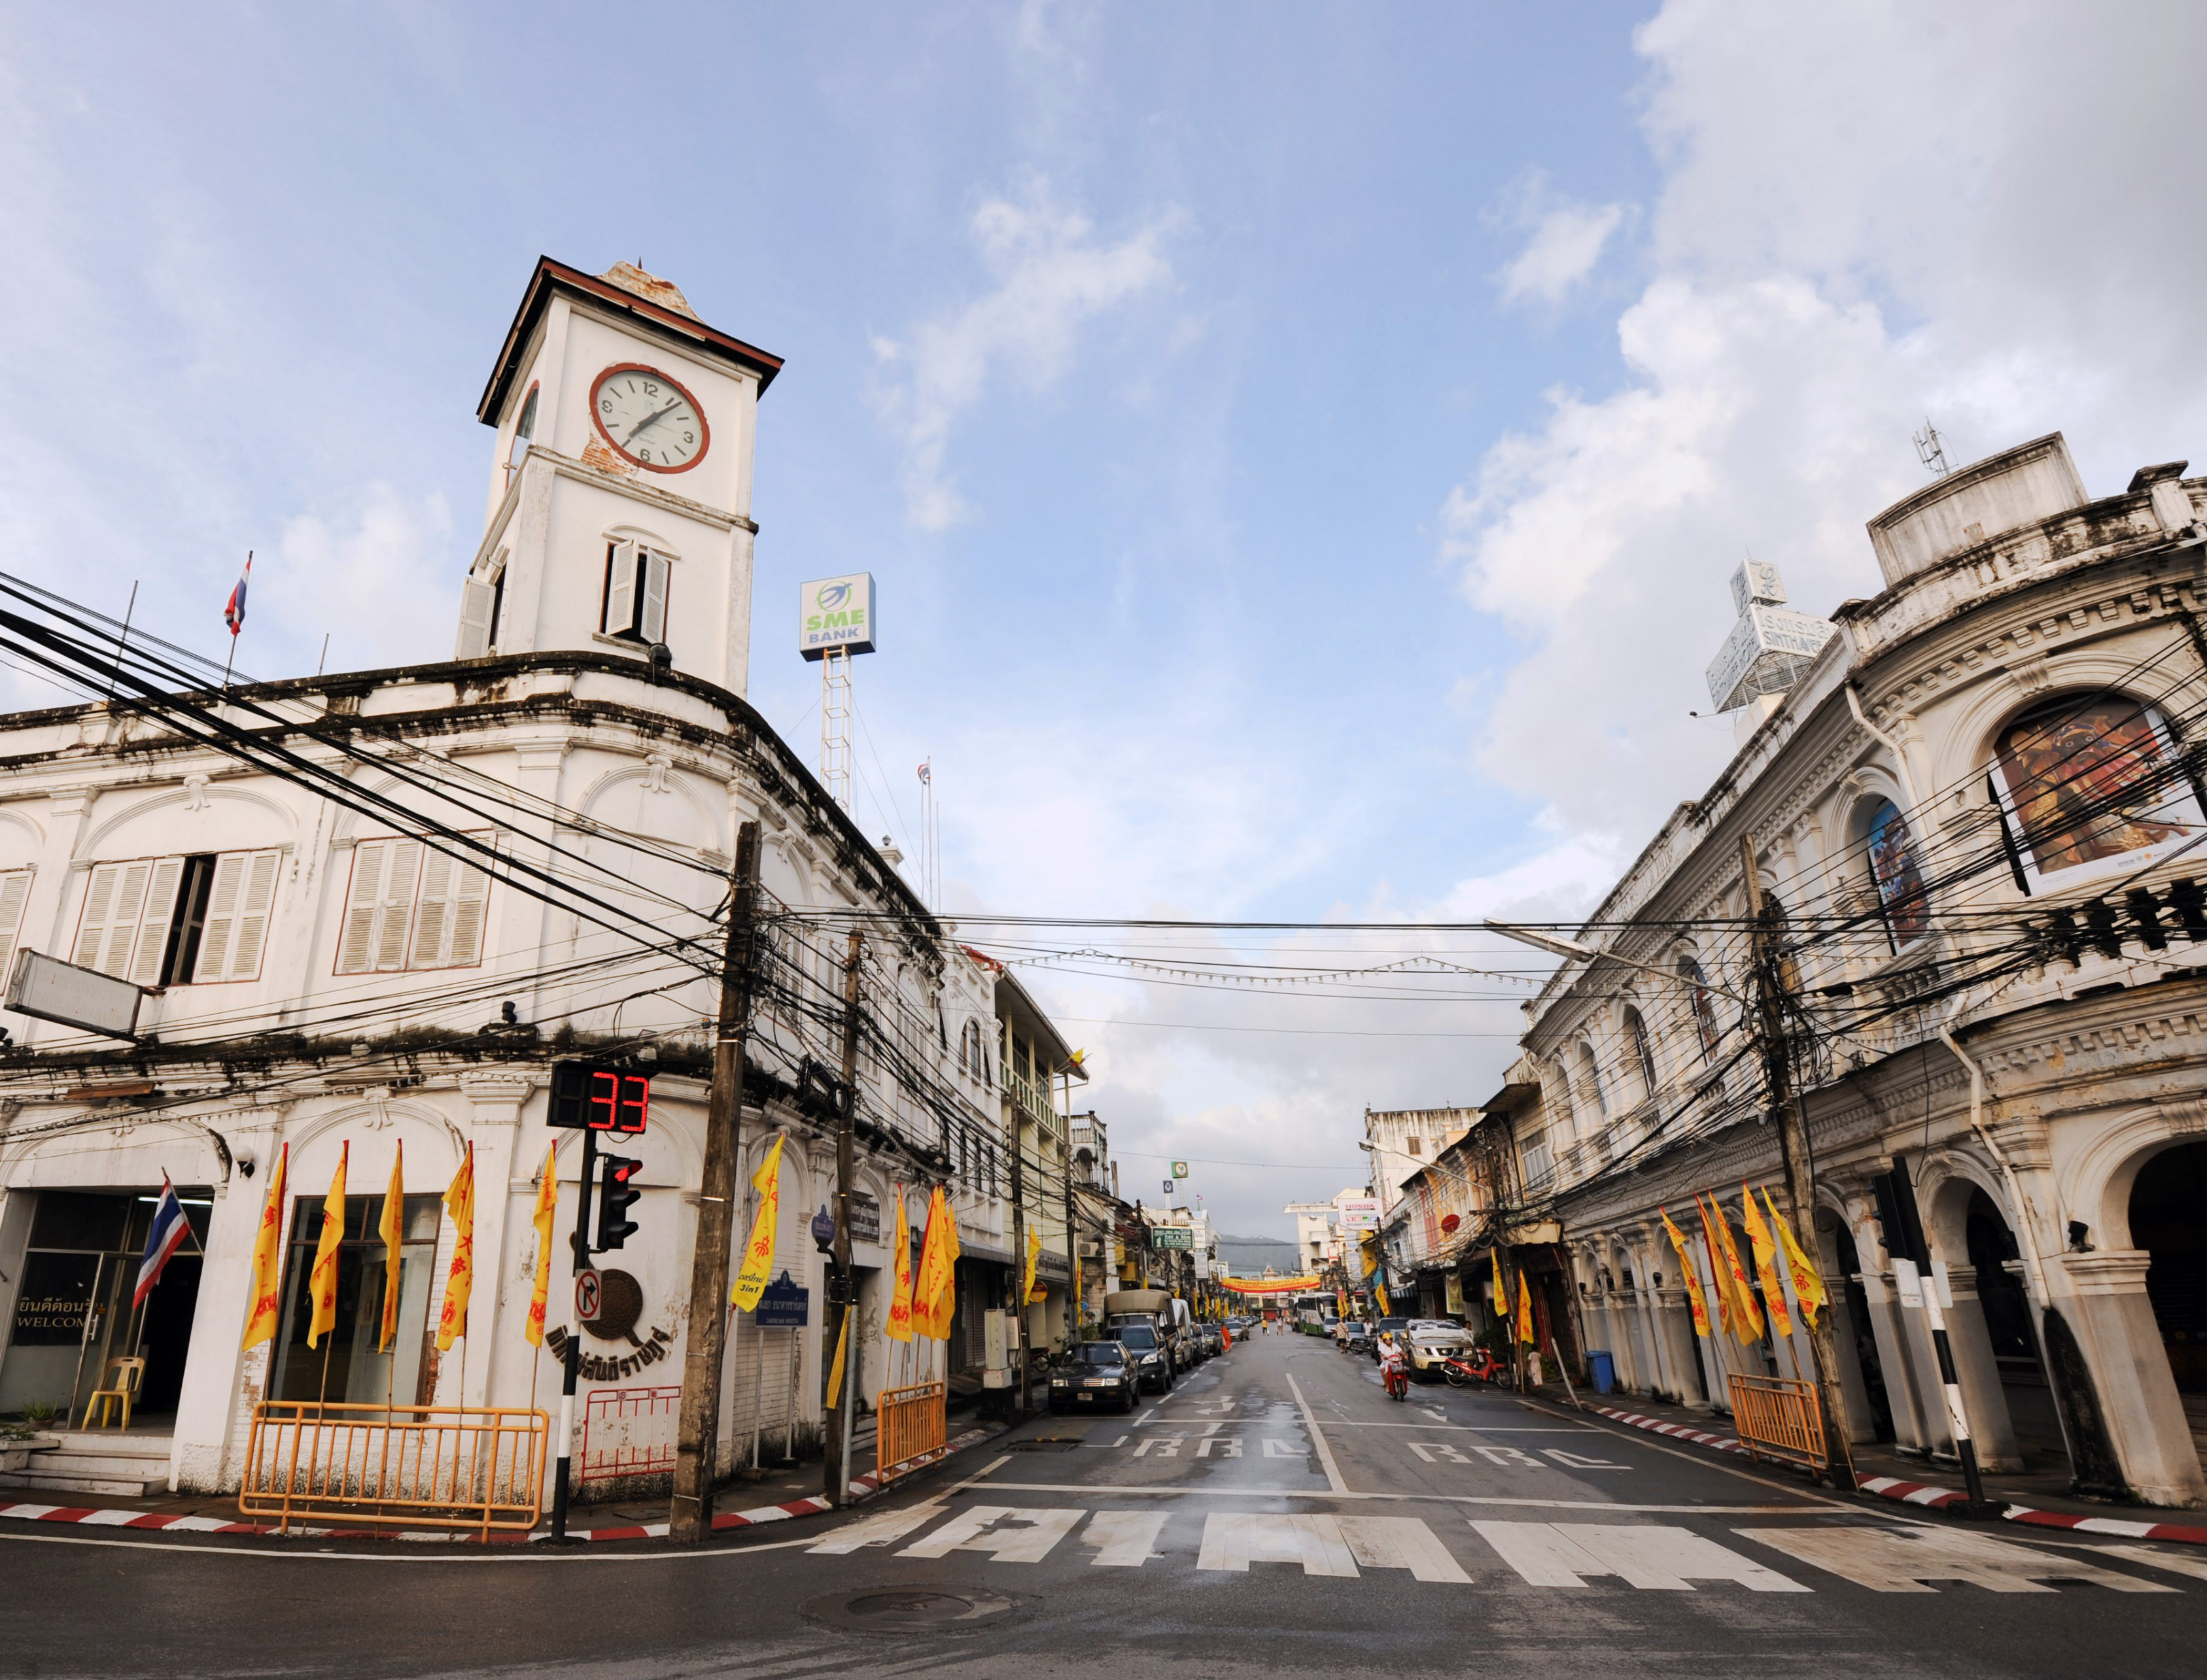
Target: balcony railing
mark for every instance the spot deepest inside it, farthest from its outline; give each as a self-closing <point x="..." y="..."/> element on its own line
<point x="1034" y="1101"/>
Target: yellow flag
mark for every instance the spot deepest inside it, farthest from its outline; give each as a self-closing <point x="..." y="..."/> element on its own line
<point x="927" y="1286"/>
<point x="322" y="1281"/>
<point x="548" y="1210"/>
<point x="1766" y="1263"/>
<point x="268" y="1257"/>
<point x="1380" y="1290"/>
<point x="899" y="1328"/>
<point x="1694" y="1295"/>
<point x="1807" y="1282"/>
<point x="460" y="1281"/>
<point x="392" y="1227"/>
<point x="1527" y="1334"/>
<point x="757" y="1271"/>
<point x="1501" y="1289"/>
<point x="1034" y="1258"/>
<point x="836" y="1371"/>
<point x="945" y="1306"/>
<point x="1746" y="1316"/>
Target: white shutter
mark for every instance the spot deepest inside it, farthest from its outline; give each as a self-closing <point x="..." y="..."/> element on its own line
<point x="356" y="942"/>
<point x="251" y="934"/>
<point x="220" y="930"/>
<point x="160" y="916"/>
<point x="434" y="921"/>
<point x="471" y="890"/>
<point x="14" y="890"/>
<point x="657" y="575"/>
<point x="395" y="915"/>
<point x="117" y="894"/>
<point x="475" y="620"/>
<point x="620" y="589"/>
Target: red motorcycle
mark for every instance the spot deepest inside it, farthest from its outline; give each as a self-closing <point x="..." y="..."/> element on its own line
<point x="1395" y="1377"/>
<point x="1479" y="1365"/>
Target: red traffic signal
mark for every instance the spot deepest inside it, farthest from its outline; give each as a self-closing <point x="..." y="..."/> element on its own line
<point x="587" y="1096"/>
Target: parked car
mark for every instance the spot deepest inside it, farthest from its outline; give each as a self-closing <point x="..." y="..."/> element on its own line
<point x="1342" y="1327"/>
<point x="1213" y="1342"/>
<point x="1153" y="1365"/>
<point x="1095" y="1374"/>
<point x="1356" y="1337"/>
<point x="1430" y="1343"/>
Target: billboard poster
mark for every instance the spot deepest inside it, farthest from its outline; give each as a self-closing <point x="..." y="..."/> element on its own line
<point x="1360" y="1215"/>
<point x="835" y="613"/>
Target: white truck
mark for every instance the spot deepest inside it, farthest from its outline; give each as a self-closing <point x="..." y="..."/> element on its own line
<point x="1171" y="1332"/>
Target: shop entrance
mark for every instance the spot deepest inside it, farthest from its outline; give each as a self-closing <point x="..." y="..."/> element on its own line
<point x="1858" y="1329"/>
<point x="2165" y="1220"/>
<point x="74" y="1313"/>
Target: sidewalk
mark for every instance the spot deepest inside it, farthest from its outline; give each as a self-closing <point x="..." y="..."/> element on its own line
<point x="2038" y="1499"/>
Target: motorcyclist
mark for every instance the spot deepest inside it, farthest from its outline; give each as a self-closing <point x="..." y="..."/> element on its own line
<point x="1394" y="1365"/>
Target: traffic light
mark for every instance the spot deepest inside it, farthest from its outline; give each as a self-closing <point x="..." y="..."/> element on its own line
<point x="616" y="1193"/>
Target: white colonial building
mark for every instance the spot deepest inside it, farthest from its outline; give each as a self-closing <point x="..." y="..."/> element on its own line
<point x="321" y="970"/>
<point x="1978" y="806"/>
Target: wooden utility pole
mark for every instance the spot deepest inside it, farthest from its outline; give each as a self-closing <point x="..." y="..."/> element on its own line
<point x="697" y="1446"/>
<point x="1019" y="1285"/>
<point x="835" y="1460"/>
<point x="1773" y="1040"/>
<point x="1072" y="1236"/>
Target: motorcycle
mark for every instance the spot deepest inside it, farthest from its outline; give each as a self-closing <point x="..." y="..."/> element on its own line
<point x="1479" y="1365"/>
<point x="1396" y="1375"/>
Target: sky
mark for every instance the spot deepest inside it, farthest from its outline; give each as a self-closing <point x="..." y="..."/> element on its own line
<point x="1300" y="450"/>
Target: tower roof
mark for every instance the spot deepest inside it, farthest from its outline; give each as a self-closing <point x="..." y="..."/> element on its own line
<point x="631" y="278"/>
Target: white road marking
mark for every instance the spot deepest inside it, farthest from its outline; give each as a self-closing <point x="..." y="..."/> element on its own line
<point x="1123" y="1540"/>
<point x="1902" y="1560"/>
<point x="1275" y="1447"/>
<point x="1234" y="1540"/>
<point x="1400" y="1543"/>
<point x="883" y="1528"/>
<point x="1170" y="1491"/>
<point x="1028" y="1534"/>
<point x="1145" y="1417"/>
<point x="1317" y="1441"/>
<point x="1470" y="1428"/>
<point x="1577" y="1461"/>
<point x="1230" y="1446"/>
<point x="1166" y="1446"/>
<point x="1648" y="1556"/>
<point x="2159" y="1560"/>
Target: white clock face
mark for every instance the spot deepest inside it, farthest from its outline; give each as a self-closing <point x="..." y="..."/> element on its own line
<point x="649" y="419"/>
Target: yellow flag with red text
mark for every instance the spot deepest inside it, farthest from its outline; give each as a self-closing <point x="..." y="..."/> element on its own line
<point x="392" y="1227"/>
<point x="1693" y="1276"/>
<point x="322" y="1281"/>
<point x="1501" y="1289"/>
<point x="548" y="1211"/>
<point x="934" y="1268"/>
<point x="1766" y="1263"/>
<point x="268" y="1257"/>
<point x="944" y="1307"/>
<point x="1724" y="1313"/>
<point x="460" y="1281"/>
<point x="1746" y="1316"/>
<point x="1525" y="1332"/>
<point x="1807" y="1282"/>
<point x="899" y="1328"/>
<point x="1034" y="1259"/>
<point x="757" y="1269"/>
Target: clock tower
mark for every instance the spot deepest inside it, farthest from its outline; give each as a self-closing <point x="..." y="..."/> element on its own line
<point x="620" y="489"/>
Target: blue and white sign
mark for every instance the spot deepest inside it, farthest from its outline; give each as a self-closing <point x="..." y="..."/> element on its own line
<point x="783" y="1304"/>
<point x="836" y="612"/>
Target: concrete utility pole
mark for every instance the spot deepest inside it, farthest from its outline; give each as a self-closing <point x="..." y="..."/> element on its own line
<point x="835" y="1460"/>
<point x="1071" y="1242"/>
<point x="1019" y="1247"/>
<point x="696" y="1445"/>
<point x="1792" y="1121"/>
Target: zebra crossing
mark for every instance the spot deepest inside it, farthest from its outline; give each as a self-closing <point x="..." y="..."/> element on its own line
<point x="1643" y="1556"/>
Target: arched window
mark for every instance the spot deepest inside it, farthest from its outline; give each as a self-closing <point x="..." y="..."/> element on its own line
<point x="1704" y="1014"/>
<point x="1899" y="880"/>
<point x="1590" y="1076"/>
<point x="1643" y="1053"/>
<point x="2083" y="779"/>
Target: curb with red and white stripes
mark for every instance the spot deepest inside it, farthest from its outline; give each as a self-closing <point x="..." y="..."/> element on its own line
<point x="1927" y="1496"/>
<point x="91" y="1517"/>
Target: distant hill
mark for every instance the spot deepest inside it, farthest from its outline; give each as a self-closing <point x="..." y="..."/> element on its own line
<point x="1248" y="1257"/>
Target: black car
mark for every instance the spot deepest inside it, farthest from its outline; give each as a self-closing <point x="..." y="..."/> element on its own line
<point x="1093" y="1373"/>
<point x="1152" y="1360"/>
<point x="1401" y="1327"/>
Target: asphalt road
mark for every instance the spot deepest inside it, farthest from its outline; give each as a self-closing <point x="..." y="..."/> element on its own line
<point x="1275" y="1514"/>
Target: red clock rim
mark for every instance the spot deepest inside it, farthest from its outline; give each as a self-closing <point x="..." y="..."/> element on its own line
<point x="704" y="428"/>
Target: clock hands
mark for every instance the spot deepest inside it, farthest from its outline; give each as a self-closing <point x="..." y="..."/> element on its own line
<point x="650" y="420"/>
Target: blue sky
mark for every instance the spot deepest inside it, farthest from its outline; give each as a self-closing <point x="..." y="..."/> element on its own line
<point x="1301" y="449"/>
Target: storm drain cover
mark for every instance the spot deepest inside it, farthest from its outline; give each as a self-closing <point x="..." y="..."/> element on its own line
<point x="914" y="1608"/>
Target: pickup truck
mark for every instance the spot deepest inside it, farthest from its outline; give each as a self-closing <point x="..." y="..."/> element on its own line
<point x="1166" y="1315"/>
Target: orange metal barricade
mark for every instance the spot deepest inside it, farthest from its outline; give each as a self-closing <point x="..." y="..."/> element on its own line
<point x="909" y="1429"/>
<point x="1778" y="1418"/>
<point x="478" y="1467"/>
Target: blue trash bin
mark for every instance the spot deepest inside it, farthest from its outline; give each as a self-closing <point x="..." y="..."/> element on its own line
<point x="1604" y="1369"/>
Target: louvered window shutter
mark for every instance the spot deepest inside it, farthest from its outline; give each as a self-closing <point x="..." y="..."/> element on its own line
<point x="433" y="925"/>
<point x="92" y="926"/>
<point x="395" y="917"/>
<point x="657" y="575"/>
<point x="160" y="916"/>
<point x="475" y="620"/>
<point x="470" y="896"/>
<point x="620" y="589"/>
<point x="254" y="903"/>
<point x="14" y="890"/>
<point x="111" y="954"/>
<point x="220" y="932"/>
<point x="356" y="942"/>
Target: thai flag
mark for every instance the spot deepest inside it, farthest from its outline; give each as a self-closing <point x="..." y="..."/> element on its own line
<point x="233" y="611"/>
<point x="926" y="774"/>
<point x="168" y="1235"/>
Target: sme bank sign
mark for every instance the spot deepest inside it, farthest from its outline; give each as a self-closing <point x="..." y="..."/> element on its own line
<point x="836" y="612"/>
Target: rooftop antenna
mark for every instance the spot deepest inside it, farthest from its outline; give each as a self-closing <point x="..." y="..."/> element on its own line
<point x="1930" y="451"/>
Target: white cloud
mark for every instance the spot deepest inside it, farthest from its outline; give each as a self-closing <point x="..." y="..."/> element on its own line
<point x="1567" y="242"/>
<point x="381" y="582"/>
<point x="1053" y="277"/>
<point x="1867" y="214"/>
